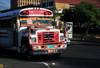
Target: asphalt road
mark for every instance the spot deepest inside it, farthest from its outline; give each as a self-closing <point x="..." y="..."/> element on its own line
<point x="90" y="37"/>
<point x="77" y="55"/>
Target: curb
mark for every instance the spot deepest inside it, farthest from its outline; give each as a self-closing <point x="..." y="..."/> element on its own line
<point x="76" y="39"/>
<point x="87" y="35"/>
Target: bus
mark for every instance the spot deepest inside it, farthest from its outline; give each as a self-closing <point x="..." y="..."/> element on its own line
<point x="30" y="31"/>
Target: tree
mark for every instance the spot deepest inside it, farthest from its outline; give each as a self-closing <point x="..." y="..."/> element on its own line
<point x="87" y="13"/>
<point x="68" y="15"/>
<point x="84" y="13"/>
<point x="56" y="14"/>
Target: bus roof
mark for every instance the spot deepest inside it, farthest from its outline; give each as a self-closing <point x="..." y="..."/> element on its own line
<point x="31" y="12"/>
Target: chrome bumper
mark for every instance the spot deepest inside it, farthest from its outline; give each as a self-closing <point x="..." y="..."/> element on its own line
<point x="44" y="52"/>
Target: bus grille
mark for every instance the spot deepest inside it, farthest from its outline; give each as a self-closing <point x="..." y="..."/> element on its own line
<point x="48" y="37"/>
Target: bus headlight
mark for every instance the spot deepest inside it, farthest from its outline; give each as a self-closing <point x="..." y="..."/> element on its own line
<point x="61" y="37"/>
<point x="33" y="40"/>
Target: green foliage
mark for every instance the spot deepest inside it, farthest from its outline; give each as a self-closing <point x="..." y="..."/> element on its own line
<point x="84" y="13"/>
<point x="87" y="12"/>
<point x="68" y="16"/>
<point x="55" y="12"/>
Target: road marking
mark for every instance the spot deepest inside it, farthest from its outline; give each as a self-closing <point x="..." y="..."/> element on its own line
<point x="46" y="64"/>
<point x="97" y="37"/>
<point x="43" y="63"/>
<point x="1" y="66"/>
<point x="53" y="63"/>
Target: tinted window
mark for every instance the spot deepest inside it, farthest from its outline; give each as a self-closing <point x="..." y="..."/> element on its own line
<point x="44" y="5"/>
<point x="5" y="23"/>
<point x="51" y="3"/>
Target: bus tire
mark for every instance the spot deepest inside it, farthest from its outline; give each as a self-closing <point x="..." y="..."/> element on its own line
<point x="24" y="50"/>
<point x="57" y="54"/>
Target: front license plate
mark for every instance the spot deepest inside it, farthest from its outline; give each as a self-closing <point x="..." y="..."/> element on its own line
<point x="50" y="51"/>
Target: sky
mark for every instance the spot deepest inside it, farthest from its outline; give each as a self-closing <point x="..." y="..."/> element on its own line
<point x="4" y="4"/>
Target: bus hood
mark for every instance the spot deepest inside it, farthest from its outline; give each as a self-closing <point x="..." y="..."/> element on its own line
<point x="45" y="29"/>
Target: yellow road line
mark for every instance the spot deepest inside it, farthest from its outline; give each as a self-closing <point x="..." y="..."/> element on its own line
<point x="97" y="37"/>
<point x="1" y="66"/>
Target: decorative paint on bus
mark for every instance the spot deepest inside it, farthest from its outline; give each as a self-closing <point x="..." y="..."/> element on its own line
<point x="31" y="30"/>
<point x="42" y="47"/>
<point x="36" y="12"/>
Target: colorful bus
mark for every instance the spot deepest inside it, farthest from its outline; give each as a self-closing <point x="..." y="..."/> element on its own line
<point x="30" y="31"/>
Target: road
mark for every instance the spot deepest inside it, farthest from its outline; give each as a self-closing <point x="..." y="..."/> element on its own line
<point x="91" y="37"/>
<point x="77" y="55"/>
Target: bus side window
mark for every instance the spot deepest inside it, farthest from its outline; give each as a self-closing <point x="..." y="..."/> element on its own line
<point x="5" y="21"/>
<point x="0" y="23"/>
<point x="9" y="23"/>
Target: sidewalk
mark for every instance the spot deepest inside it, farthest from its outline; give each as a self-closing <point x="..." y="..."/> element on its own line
<point x="88" y="38"/>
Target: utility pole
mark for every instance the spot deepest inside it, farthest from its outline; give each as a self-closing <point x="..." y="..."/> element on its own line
<point x="64" y="21"/>
<point x="64" y="14"/>
<point x="64" y="9"/>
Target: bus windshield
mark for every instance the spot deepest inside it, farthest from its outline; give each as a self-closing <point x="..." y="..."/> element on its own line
<point x="35" y="22"/>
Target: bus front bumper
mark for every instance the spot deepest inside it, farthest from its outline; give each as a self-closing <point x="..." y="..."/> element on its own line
<point x="50" y="51"/>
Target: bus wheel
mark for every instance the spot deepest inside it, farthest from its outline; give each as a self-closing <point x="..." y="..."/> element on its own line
<point x="24" y="51"/>
<point x="57" y="54"/>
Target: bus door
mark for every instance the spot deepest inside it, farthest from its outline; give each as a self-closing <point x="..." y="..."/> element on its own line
<point x="15" y="32"/>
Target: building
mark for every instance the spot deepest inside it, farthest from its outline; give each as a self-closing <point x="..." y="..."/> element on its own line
<point x="59" y="4"/>
<point x="21" y="3"/>
<point x="65" y="4"/>
<point x="54" y="4"/>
